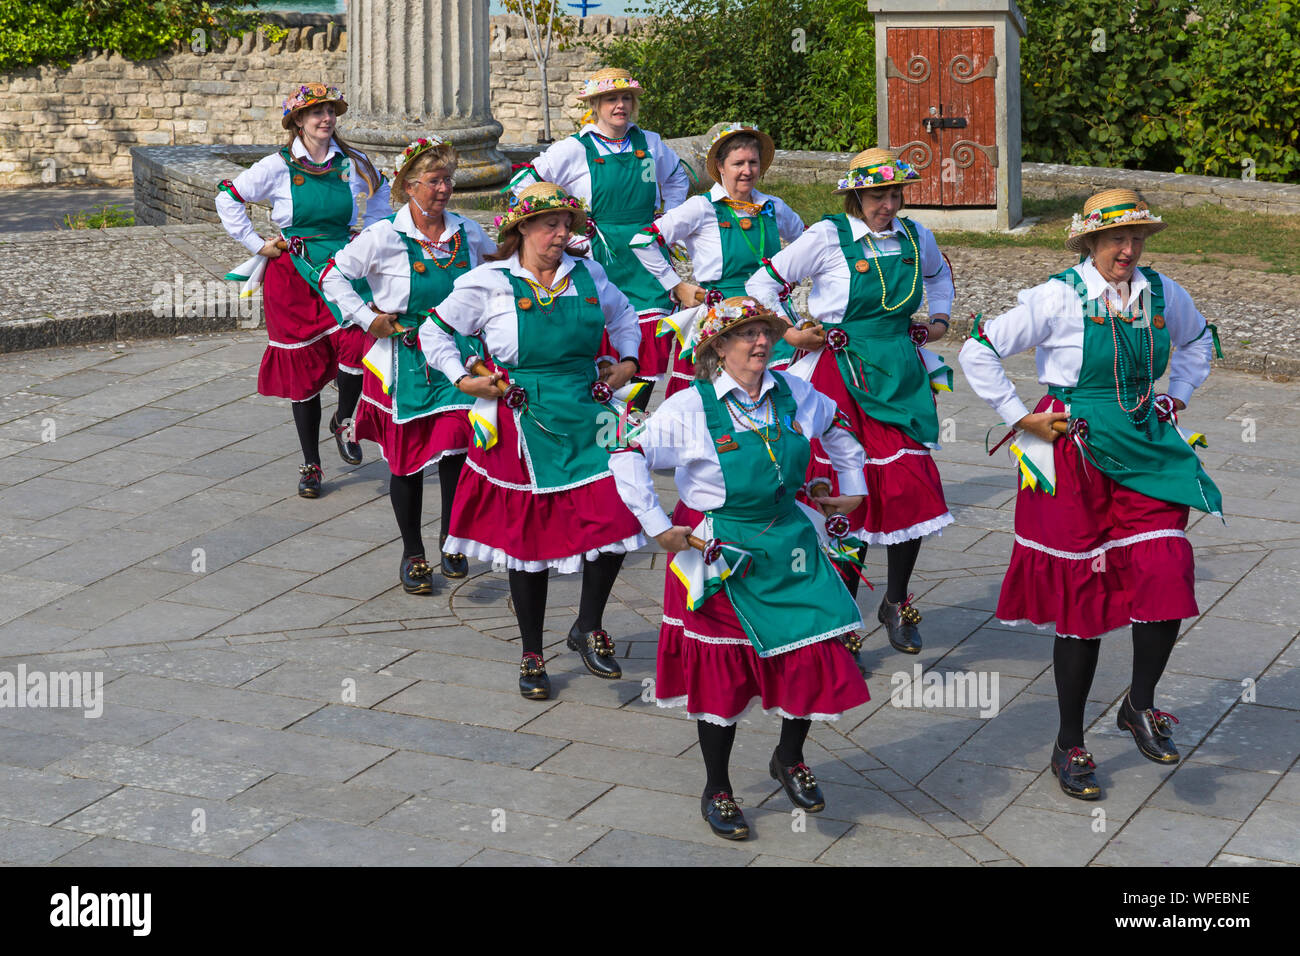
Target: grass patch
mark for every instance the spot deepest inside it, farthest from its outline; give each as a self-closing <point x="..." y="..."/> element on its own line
<point x="104" y="218"/>
<point x="1258" y="241"/>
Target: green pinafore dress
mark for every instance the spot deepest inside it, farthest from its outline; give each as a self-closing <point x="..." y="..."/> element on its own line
<point x="788" y="594"/>
<point x="624" y="196"/>
<point x="543" y="493"/>
<point x="880" y="383"/>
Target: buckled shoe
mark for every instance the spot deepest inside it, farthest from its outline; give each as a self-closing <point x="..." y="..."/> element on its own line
<point x="1151" y="731"/>
<point x="597" y="650"/>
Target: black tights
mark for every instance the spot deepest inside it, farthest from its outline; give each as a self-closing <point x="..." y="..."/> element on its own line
<point x="306" y="418"/>
<point x="1074" y="662"/>
<point x="901" y="558"/>
<point x="406" y="492"/>
<point x="528" y="592"/>
<point x="715" y="746"/>
<point x="349" y="394"/>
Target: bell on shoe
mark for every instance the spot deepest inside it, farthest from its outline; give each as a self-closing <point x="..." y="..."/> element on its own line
<point x="597" y="650"/>
<point x="722" y="813"/>
<point x="416" y="575"/>
<point x="1151" y="731"/>
<point x="799" y="783"/>
<point x="345" y="437"/>
<point x="1075" y="772"/>
<point x="533" y="682"/>
<point x="453" y="565"/>
<point x="853" y="641"/>
<point x="309" y="480"/>
<point x="900" y="622"/>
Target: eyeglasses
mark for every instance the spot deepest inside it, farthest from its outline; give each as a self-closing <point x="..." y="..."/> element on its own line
<point x="751" y="333"/>
<point x="448" y="181"/>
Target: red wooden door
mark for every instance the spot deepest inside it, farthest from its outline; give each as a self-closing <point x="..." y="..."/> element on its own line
<point x="941" y="74"/>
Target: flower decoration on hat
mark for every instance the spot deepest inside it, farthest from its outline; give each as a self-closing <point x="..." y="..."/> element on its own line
<point x="882" y="174"/>
<point x="310" y="93"/>
<point x="414" y="149"/>
<point x="542" y="198"/>
<point x="726" y="314"/>
<point x="608" y="81"/>
<point x="1110" y="209"/>
<point x="732" y="128"/>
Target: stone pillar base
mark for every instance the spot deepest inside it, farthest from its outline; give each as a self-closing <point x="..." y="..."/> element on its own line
<point x="481" y="163"/>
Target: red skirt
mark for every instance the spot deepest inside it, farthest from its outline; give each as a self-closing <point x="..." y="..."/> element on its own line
<point x="653" y="355"/>
<point x="498" y="518"/>
<point x="904" y="494"/>
<point x="412" y="446"/>
<point x="300" y="358"/>
<point x="1096" y="555"/>
<point x="350" y="346"/>
<point x="682" y="372"/>
<point x="706" y="663"/>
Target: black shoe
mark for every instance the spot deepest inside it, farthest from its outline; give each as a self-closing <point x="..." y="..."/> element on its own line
<point x="723" y="816"/>
<point x="800" y="785"/>
<point x="1150" y="729"/>
<point x="453" y="565"/>
<point x="900" y="622"/>
<point x="597" y="650"/>
<point x="1074" y="772"/>
<point x="344" y="437"/>
<point x="416" y="575"/>
<point x="309" y="483"/>
<point x="533" y="682"/>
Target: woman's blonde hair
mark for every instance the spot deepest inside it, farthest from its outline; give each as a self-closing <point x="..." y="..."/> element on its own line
<point x="437" y="157"/>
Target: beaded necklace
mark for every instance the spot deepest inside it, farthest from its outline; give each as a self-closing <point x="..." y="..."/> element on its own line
<point x="916" y="273"/>
<point x="432" y="247"/>
<point x="741" y="411"/>
<point x="545" y="295"/>
<point x="623" y="144"/>
<point x="1128" y="367"/>
<point x="734" y="204"/>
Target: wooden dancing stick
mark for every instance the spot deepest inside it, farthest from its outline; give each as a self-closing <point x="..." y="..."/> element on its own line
<point x="479" y="367"/>
<point x="711" y="549"/>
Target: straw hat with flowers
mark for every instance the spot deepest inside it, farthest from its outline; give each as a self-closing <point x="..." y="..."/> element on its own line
<point x="1110" y="209"/>
<point x="873" y="168"/>
<point x="538" y="199"/>
<point x="727" y="315"/>
<point x="766" y="148"/>
<point x="308" y="95"/>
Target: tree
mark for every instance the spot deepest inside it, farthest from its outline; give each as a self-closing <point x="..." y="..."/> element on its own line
<point x="544" y="22"/>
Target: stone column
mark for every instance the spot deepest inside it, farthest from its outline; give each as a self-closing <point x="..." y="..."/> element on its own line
<point x="418" y="67"/>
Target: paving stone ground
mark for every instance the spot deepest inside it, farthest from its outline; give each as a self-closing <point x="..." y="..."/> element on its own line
<point x="270" y="696"/>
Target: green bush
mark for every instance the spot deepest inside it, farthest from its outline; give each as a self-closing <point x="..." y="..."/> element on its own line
<point x="801" y="70"/>
<point x="58" y="31"/>
<point x="106" y="217"/>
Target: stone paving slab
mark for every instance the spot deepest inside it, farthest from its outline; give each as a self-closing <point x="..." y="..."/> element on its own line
<point x="227" y="687"/>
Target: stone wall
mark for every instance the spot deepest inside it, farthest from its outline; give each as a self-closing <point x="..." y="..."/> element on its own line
<point x="81" y="123"/>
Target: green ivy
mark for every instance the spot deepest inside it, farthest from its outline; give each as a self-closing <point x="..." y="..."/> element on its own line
<point x="33" y="32"/>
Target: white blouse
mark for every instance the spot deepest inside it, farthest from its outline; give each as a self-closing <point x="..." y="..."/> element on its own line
<point x="817" y="254"/>
<point x="483" y="302"/>
<point x="695" y="224"/>
<point x="677" y="436"/>
<point x="378" y="255"/>
<point x="1050" y="319"/>
<point x="565" y="164"/>
<point x="267" y="181"/>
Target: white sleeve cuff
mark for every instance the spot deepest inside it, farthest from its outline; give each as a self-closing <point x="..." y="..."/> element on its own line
<point x="654" y="522"/>
<point x="1181" y="391"/>
<point x="1012" y="410"/>
<point x="852" y="483"/>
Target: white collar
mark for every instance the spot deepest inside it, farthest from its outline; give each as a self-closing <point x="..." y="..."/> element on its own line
<point x="404" y="224"/>
<point x="719" y="192"/>
<point x="1096" y="284"/>
<point x="566" y="266"/>
<point x="593" y="128"/>
<point x="859" y="229"/>
<point x="724" y="385"/>
<point x="299" y="149"/>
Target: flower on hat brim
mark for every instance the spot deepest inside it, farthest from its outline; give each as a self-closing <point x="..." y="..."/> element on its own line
<point x="881" y="174"/>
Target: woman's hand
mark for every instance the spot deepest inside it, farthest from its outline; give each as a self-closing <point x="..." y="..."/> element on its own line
<point x="618" y="374"/>
<point x="385" y="324"/>
<point x="689" y="295"/>
<point x="481" y="386"/>
<point x="844" y="504"/>
<point x="809" y="339"/>
<point x="937" y="329"/>
<point x="1040" y="425"/>
<point x="674" y="539"/>
<point x="270" y="249"/>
